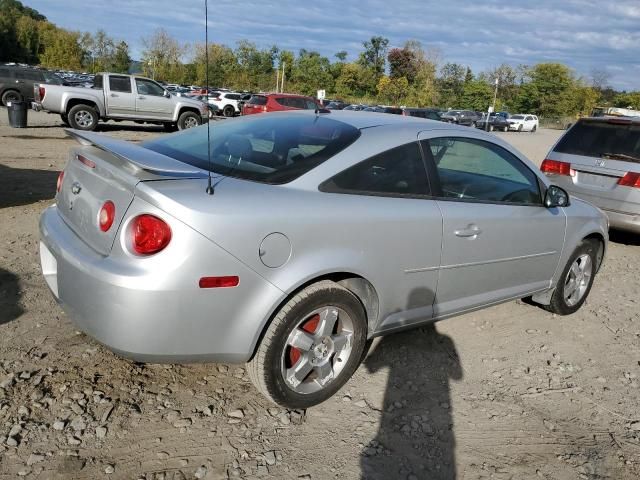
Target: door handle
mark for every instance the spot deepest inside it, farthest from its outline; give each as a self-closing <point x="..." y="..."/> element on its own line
<point x="141" y="97"/>
<point x="114" y="95"/>
<point x="470" y="231"/>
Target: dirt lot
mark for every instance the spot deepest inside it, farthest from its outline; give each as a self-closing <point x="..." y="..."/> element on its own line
<point x="512" y="392"/>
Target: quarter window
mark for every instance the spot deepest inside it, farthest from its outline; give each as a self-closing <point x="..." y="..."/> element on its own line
<point x="399" y="171"/>
<point x="475" y="170"/>
<point x="119" y="84"/>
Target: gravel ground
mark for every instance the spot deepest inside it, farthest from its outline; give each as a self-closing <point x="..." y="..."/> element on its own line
<point x="512" y="392"/>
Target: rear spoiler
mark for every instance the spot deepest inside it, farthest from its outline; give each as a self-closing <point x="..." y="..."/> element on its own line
<point x="139" y="157"/>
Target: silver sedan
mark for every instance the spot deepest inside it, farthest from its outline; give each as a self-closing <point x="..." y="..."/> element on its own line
<point x="291" y="239"/>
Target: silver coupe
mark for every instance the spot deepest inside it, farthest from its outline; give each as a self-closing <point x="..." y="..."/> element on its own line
<point x="320" y="231"/>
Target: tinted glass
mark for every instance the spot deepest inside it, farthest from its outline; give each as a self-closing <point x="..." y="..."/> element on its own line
<point x="52" y="78"/>
<point x="119" y="84"/>
<point x="517" y="117"/>
<point x="257" y="100"/>
<point x="602" y="139"/>
<point x="233" y="96"/>
<point x="261" y="148"/>
<point x="475" y="170"/>
<point x="399" y="171"/>
<point x="310" y="104"/>
<point x="147" y="87"/>
<point x="97" y="82"/>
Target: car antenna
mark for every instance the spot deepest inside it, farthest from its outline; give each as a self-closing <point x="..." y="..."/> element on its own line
<point x="209" y="189"/>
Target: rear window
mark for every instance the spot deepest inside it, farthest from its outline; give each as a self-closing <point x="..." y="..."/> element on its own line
<point x="602" y="139"/>
<point x="257" y="100"/>
<point x="268" y="149"/>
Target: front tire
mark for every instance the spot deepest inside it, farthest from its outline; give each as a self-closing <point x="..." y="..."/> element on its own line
<point x="228" y="111"/>
<point x="83" y="117"/>
<point x="576" y="279"/>
<point x="311" y="348"/>
<point x="188" y="120"/>
<point x="505" y="129"/>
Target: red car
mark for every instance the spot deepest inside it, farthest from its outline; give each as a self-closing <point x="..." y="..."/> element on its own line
<point x="274" y="102"/>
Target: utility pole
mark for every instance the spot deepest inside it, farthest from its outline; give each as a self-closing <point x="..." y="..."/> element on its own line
<point x="493" y="106"/>
<point x="277" y="79"/>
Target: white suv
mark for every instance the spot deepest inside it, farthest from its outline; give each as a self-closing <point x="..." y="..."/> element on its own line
<point x="523" y="123"/>
<point x="227" y="103"/>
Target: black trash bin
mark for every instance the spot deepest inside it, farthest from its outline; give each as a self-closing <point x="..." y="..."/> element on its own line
<point x="18" y="114"/>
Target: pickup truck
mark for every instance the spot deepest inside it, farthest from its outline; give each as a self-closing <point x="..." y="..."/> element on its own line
<point x="119" y="97"/>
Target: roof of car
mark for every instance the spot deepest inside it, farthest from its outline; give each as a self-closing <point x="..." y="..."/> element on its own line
<point x="363" y="119"/>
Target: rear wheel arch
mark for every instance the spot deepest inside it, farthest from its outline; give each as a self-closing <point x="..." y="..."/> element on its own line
<point x="79" y="101"/>
<point x="356" y="284"/>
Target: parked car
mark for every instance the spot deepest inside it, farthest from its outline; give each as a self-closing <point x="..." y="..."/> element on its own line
<point x="227" y="103"/>
<point x="496" y="121"/>
<point x="523" y="123"/>
<point x="335" y="105"/>
<point x="428" y="113"/>
<point x="274" y="102"/>
<point x="355" y="107"/>
<point x="598" y="159"/>
<point x="383" y="109"/>
<point x="119" y="97"/>
<point x="244" y="98"/>
<point x="16" y="83"/>
<point x="426" y="221"/>
<point x="461" y="117"/>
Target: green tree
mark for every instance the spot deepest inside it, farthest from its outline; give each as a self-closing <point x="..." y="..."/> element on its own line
<point x="393" y="90"/>
<point x="476" y="95"/>
<point x="355" y="81"/>
<point x="451" y="84"/>
<point x="311" y="73"/>
<point x="162" y="56"/>
<point x="60" y="48"/>
<point x="550" y="91"/>
<point x="627" y="100"/>
<point x="375" y="52"/>
<point x="121" y="58"/>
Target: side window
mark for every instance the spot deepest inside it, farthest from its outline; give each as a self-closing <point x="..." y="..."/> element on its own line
<point x="147" y="87"/>
<point x="399" y="171"/>
<point x="310" y="105"/>
<point x="119" y="83"/>
<point x="476" y="170"/>
<point x="284" y="101"/>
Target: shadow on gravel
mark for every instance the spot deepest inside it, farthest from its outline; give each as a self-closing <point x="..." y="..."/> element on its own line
<point x="10" y="308"/>
<point x="123" y="127"/>
<point x="22" y="186"/>
<point x="625" y="238"/>
<point x="415" y="439"/>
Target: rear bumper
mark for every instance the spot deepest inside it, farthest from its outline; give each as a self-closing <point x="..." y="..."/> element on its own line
<point x="36" y="106"/>
<point x="155" y="311"/>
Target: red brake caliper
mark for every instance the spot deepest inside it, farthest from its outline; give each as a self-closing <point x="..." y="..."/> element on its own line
<point x="309" y="326"/>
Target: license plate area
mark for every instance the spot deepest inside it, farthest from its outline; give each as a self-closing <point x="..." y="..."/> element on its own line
<point x="594" y="180"/>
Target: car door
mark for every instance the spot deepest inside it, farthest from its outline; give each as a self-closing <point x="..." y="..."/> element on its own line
<point x="387" y="198"/>
<point x="119" y="96"/>
<point x="499" y="241"/>
<point x="151" y="101"/>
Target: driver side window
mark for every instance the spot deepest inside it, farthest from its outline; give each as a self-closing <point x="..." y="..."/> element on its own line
<point x="146" y="87"/>
<point x="479" y="171"/>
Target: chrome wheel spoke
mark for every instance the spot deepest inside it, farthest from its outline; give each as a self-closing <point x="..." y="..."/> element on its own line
<point x="324" y="372"/>
<point x="300" y="340"/>
<point x="301" y="370"/>
<point x="328" y="319"/>
<point x="340" y="341"/>
<point x="571" y="287"/>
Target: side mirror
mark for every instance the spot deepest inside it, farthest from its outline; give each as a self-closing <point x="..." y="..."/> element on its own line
<point x="167" y="94"/>
<point x="556" y="197"/>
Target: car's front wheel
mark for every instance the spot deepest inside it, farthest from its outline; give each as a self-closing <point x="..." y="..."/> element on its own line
<point x="188" y="119"/>
<point x="576" y="280"/>
<point x="312" y="346"/>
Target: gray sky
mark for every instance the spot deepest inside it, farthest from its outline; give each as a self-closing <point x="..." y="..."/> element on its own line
<point x="584" y="34"/>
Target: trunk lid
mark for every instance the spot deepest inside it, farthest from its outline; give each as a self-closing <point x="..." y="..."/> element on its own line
<point x="103" y="169"/>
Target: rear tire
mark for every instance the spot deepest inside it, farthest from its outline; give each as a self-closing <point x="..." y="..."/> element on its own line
<point x="328" y="325"/>
<point x="83" y="117"/>
<point x="228" y="111"/>
<point x="576" y="280"/>
<point x="11" y="96"/>
<point x="188" y="119"/>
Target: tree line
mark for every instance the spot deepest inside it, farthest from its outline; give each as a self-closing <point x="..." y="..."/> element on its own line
<point x="410" y="75"/>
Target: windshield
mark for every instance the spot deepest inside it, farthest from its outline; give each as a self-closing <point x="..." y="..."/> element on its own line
<point x="602" y="139"/>
<point x="272" y="148"/>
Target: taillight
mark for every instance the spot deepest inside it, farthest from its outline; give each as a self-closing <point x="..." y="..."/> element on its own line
<point x="557" y="168"/>
<point x="630" y="179"/>
<point x="59" y="182"/>
<point x="41" y="92"/>
<point x="150" y="234"/>
<point x="264" y="108"/>
<point x="107" y="215"/>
